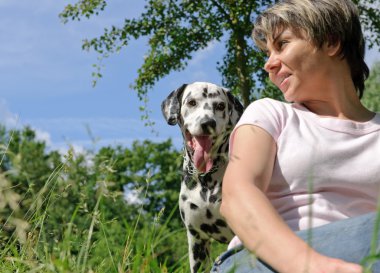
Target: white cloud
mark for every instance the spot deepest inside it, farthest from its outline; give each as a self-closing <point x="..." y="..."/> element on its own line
<point x="43" y="136"/>
<point x="12" y="121"/>
<point x="7" y="118"/>
<point x="63" y="149"/>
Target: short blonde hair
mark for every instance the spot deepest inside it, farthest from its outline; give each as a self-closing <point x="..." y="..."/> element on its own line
<point x="320" y="21"/>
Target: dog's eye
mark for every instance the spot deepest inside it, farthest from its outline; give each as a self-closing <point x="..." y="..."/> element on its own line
<point x="220" y="106"/>
<point x="192" y="102"/>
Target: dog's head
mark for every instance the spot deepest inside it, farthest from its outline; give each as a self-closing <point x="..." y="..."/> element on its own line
<point x="206" y="113"/>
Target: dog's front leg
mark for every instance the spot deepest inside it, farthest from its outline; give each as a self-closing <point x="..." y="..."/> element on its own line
<point x="199" y="252"/>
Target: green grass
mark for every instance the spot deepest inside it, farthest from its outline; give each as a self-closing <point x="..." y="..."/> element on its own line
<point x="101" y="245"/>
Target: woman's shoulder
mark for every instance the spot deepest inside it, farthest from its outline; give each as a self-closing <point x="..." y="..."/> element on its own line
<point x="270" y="106"/>
<point x="269" y="114"/>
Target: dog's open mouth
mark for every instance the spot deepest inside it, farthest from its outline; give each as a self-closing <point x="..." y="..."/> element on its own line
<point x="201" y="146"/>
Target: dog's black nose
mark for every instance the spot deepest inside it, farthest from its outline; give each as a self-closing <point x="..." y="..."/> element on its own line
<point x="208" y="125"/>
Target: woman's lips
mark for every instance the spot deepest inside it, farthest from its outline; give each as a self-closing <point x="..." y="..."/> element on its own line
<point x="284" y="83"/>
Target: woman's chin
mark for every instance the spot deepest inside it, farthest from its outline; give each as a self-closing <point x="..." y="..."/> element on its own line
<point x="288" y="98"/>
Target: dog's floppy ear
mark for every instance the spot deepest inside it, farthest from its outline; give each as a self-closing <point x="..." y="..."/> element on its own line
<point x="171" y="106"/>
<point x="234" y="104"/>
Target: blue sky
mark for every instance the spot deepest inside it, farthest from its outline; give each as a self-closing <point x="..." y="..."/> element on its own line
<point x="46" y="77"/>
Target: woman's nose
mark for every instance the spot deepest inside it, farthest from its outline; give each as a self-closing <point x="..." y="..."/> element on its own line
<point x="272" y="63"/>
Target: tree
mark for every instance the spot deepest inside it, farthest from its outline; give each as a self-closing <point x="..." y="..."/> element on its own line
<point x="371" y="98"/>
<point x="149" y="170"/>
<point x="178" y="28"/>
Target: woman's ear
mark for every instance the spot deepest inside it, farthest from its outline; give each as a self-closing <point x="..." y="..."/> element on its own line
<point x="332" y="47"/>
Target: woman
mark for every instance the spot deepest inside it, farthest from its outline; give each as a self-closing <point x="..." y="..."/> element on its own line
<point x="303" y="180"/>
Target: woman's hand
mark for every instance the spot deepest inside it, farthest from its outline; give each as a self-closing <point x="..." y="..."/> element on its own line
<point x="317" y="263"/>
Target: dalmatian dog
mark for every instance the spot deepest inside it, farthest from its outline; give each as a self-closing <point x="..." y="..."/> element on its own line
<point x="206" y="114"/>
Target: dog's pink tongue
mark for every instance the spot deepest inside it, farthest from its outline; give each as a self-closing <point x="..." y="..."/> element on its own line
<point x="202" y="157"/>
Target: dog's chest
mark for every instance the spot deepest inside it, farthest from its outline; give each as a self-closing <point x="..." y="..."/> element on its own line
<point x="202" y="189"/>
<point x="198" y="194"/>
<point x="200" y="197"/>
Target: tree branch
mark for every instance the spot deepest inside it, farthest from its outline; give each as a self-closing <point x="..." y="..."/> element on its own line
<point x="223" y="12"/>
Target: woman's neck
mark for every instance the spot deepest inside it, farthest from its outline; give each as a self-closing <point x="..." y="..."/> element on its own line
<point x="351" y="110"/>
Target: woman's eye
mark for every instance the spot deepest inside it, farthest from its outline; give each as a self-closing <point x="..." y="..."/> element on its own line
<point x="282" y="43"/>
<point x="192" y="102"/>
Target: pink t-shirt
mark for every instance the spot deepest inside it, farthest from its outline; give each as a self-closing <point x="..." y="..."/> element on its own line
<point x="326" y="169"/>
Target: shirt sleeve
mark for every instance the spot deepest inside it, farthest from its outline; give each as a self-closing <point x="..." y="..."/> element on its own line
<point x="266" y="113"/>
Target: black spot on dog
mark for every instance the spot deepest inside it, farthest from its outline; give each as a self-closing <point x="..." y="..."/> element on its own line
<point x="193" y="231"/>
<point x="196" y="266"/>
<point x="199" y="251"/>
<point x="220" y="149"/>
<point x="213" y="198"/>
<point x="205" y="180"/>
<point x="183" y="197"/>
<point x="193" y="206"/>
<point x="204" y="95"/>
<point x="203" y="194"/>
<point x="208" y="178"/>
<point x="220" y="223"/>
<point x="210" y="229"/>
<point x="208" y="214"/>
<point x="212" y="95"/>
<point x="223" y="239"/>
<point x="212" y="186"/>
<point x="190" y="182"/>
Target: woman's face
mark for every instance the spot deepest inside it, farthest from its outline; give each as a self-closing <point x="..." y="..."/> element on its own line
<point x="296" y="66"/>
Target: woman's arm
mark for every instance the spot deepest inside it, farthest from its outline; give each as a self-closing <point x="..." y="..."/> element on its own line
<point x="252" y="217"/>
